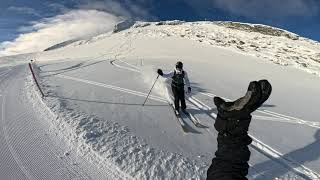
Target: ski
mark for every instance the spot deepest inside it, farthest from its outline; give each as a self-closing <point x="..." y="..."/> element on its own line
<point x="180" y="119"/>
<point x="193" y="119"/>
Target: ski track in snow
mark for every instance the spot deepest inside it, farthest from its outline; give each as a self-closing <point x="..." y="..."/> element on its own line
<point x="137" y="69"/>
<point x="265" y="149"/>
<point x="63" y="119"/>
<point x="156" y="98"/>
<point x="5" y="134"/>
<point x="157" y="163"/>
<point x="108" y="168"/>
<point x="11" y="149"/>
<point x="198" y="103"/>
<point x="28" y="151"/>
<point x="123" y="67"/>
<point x="278" y="117"/>
<point x="258" y="145"/>
<point x="300" y="170"/>
<point x="116" y="154"/>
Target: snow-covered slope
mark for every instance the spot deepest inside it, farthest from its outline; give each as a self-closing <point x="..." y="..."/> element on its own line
<point x="95" y="89"/>
<point x="277" y="45"/>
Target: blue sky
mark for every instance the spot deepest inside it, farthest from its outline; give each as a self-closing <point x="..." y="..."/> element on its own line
<point x="300" y="16"/>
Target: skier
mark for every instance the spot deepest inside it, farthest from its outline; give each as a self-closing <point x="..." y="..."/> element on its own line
<point x="179" y="79"/>
<point x="232" y="124"/>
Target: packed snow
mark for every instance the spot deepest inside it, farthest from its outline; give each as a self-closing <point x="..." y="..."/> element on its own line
<point x="93" y="118"/>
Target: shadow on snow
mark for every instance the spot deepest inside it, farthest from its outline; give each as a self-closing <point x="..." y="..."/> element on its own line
<point x="303" y="155"/>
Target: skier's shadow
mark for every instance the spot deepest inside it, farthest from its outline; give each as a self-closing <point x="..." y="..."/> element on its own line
<point x="196" y="88"/>
<point x="268" y="106"/>
<point x="190" y="129"/>
<point x="303" y="155"/>
<point x="207" y="112"/>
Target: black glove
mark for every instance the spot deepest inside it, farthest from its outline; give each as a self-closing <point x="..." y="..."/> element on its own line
<point x="232" y="123"/>
<point x="160" y="72"/>
<point x="234" y="117"/>
<point x="189" y="89"/>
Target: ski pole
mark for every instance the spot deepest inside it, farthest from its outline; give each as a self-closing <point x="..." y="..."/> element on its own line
<point x="150" y="90"/>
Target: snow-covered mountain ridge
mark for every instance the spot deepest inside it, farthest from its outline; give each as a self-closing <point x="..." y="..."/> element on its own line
<point x="279" y="46"/>
<point x="276" y="45"/>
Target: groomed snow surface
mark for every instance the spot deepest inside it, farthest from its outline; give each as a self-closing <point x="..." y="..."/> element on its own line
<point x="92" y="125"/>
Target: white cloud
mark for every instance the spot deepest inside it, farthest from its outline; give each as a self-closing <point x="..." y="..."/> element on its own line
<point x="24" y="10"/>
<point x="50" y="31"/>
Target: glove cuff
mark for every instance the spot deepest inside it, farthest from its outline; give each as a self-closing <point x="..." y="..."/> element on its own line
<point x="232" y="126"/>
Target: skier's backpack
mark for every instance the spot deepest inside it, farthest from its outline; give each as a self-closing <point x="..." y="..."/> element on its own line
<point x="177" y="79"/>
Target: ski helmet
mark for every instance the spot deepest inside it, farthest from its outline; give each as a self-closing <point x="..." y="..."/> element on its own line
<point x="179" y="65"/>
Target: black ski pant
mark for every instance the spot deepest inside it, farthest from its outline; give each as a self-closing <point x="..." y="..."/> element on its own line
<point x="178" y="94"/>
<point x="232" y="156"/>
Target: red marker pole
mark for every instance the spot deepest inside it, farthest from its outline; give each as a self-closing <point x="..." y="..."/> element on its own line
<point x="35" y="80"/>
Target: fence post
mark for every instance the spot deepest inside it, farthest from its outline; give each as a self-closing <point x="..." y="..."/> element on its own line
<point x="35" y="80"/>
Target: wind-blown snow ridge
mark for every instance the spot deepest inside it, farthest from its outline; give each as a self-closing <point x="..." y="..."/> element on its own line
<point x="112" y="147"/>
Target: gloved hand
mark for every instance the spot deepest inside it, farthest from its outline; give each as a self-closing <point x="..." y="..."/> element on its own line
<point x="159" y="71"/>
<point x="234" y="117"/>
<point x="189" y="90"/>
